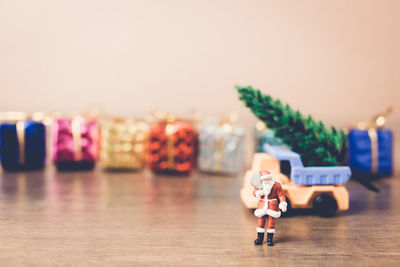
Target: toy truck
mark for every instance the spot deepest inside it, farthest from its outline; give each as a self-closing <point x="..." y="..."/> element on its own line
<point x="319" y="188"/>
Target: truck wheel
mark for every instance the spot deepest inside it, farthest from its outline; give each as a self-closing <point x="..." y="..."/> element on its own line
<point x="324" y="205"/>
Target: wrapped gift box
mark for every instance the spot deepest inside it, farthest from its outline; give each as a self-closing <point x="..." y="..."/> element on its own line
<point x="75" y="143"/>
<point x="263" y="135"/>
<point x="221" y="148"/>
<point x="172" y="147"/>
<point x="123" y="144"/>
<point x="22" y="145"/>
<point x="370" y="151"/>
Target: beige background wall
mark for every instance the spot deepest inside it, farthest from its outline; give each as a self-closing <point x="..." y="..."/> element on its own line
<point x="336" y="60"/>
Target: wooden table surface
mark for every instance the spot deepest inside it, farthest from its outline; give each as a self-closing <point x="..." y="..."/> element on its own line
<point x="99" y="218"/>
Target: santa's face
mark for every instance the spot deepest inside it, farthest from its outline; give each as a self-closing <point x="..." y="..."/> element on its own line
<point x="267" y="185"/>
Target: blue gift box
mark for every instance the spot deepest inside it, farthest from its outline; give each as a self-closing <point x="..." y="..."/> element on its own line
<point x="361" y="152"/>
<point x="33" y="153"/>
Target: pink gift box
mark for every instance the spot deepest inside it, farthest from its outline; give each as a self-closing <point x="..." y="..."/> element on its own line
<point x="75" y="143"/>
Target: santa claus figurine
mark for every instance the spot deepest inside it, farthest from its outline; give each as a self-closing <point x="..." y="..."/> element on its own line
<point x="268" y="192"/>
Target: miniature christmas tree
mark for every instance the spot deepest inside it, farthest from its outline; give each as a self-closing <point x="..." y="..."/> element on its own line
<point x="317" y="145"/>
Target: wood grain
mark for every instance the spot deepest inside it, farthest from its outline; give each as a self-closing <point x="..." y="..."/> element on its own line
<point x="125" y="219"/>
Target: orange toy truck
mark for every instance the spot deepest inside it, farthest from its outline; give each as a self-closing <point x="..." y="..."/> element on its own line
<point x="319" y="188"/>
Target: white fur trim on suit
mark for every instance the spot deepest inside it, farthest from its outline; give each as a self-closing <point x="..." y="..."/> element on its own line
<point x="266" y="176"/>
<point x="271" y="231"/>
<point x="260" y="212"/>
<point x="260" y="230"/>
<point x="265" y="211"/>
<point x="275" y="214"/>
<point x="259" y="194"/>
<point x="283" y="205"/>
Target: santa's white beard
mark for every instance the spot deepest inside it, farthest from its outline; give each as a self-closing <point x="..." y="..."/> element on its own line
<point x="267" y="186"/>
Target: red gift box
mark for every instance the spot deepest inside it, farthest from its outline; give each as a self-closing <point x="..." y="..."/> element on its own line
<point x="172" y="147"/>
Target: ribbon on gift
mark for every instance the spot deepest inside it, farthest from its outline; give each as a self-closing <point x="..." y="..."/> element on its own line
<point x="20" y="126"/>
<point x="225" y="126"/>
<point x="169" y="119"/>
<point x="170" y="130"/>
<point x="75" y="130"/>
<point x="372" y="125"/>
<point x="77" y="137"/>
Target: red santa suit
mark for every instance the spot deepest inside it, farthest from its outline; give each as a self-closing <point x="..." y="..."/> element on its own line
<point x="268" y="207"/>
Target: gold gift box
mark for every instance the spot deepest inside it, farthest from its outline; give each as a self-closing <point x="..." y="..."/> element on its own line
<point x="123" y="144"/>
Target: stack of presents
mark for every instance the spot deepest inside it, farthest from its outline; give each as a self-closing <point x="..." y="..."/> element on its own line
<point x="161" y="142"/>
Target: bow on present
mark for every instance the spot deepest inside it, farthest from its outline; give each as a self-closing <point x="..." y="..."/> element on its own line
<point x="372" y="125"/>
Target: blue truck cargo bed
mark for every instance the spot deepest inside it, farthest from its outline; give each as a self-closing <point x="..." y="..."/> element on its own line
<point x="300" y="175"/>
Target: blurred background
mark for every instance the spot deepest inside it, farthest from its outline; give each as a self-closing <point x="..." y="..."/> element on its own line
<point x="336" y="60"/>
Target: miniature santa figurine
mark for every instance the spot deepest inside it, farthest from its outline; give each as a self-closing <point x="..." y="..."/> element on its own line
<point x="268" y="192"/>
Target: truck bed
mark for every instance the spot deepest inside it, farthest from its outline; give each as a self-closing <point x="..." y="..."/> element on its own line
<point x="320" y="175"/>
<point x="301" y="175"/>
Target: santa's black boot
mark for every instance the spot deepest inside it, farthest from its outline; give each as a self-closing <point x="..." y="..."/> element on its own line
<point x="270" y="237"/>
<point x="260" y="239"/>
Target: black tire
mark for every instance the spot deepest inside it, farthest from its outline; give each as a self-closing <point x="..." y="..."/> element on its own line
<point x="324" y="205"/>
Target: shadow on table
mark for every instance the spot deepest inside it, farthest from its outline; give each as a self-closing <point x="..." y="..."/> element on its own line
<point x="31" y="183"/>
<point x="363" y="200"/>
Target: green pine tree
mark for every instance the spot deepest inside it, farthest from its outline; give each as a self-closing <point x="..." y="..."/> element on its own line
<point x="317" y="145"/>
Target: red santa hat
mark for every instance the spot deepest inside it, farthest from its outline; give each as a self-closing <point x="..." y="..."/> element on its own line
<point x="264" y="174"/>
